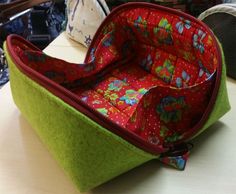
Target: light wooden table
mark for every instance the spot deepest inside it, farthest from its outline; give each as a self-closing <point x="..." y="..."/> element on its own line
<point x="26" y="167"/>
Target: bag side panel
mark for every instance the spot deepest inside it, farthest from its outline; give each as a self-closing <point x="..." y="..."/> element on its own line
<point x="90" y="154"/>
<point x="222" y="104"/>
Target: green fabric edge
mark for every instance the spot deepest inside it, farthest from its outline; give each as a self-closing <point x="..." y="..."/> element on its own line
<point x="91" y="167"/>
<point x="222" y="104"/>
<point x="89" y="153"/>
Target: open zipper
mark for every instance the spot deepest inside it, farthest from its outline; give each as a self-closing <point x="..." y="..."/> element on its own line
<point x="73" y="100"/>
<point x="134" y="5"/>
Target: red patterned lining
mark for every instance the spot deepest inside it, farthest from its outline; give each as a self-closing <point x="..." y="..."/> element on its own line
<point x="152" y="75"/>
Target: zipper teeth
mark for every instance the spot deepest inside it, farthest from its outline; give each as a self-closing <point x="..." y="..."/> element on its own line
<point x="74" y="101"/>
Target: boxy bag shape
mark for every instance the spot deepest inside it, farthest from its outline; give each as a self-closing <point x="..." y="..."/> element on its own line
<point x="153" y="79"/>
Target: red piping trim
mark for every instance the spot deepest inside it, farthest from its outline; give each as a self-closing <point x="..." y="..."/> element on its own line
<point x="135" y="5"/>
<point x="74" y="101"/>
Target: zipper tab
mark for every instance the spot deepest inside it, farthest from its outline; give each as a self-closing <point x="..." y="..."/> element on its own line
<point x="177" y="155"/>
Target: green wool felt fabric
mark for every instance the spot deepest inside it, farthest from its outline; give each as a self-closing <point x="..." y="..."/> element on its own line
<point x="89" y="153"/>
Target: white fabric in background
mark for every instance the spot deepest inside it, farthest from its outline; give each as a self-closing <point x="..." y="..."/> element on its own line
<point x="84" y="17"/>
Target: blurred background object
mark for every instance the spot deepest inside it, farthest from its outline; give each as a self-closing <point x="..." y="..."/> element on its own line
<point x="193" y="7"/>
<point x="222" y="21"/>
<point x="40" y="24"/>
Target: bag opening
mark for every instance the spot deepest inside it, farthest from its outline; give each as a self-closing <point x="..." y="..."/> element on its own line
<point x="150" y="72"/>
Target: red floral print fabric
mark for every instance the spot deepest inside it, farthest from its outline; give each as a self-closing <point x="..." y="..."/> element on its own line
<point x="150" y="72"/>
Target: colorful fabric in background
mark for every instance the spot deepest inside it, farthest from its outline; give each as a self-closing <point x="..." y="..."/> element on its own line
<point x="43" y="20"/>
<point x="4" y="74"/>
<point x="41" y="25"/>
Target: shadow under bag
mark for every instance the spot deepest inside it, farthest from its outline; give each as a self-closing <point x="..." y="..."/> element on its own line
<point x="153" y="79"/>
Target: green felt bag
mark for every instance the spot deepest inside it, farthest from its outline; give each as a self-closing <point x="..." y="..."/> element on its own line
<point x="153" y="79"/>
